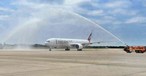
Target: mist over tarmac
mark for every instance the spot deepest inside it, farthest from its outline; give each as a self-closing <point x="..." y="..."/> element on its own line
<point x="90" y="62"/>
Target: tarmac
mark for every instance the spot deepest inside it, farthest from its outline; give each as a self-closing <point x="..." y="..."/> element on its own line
<point x="89" y="62"/>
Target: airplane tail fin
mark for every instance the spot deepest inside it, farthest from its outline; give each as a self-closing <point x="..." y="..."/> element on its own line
<point x="89" y="38"/>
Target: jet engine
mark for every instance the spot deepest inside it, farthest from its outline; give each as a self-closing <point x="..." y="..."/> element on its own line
<point x="79" y="47"/>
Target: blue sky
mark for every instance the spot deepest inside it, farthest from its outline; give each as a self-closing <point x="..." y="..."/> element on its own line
<point x="124" y="18"/>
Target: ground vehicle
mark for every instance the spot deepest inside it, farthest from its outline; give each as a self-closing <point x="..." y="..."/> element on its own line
<point x="137" y="49"/>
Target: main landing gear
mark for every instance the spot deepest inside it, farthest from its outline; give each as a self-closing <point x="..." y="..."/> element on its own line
<point x="67" y="49"/>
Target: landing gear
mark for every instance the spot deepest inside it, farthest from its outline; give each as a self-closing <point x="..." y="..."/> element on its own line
<point x="67" y="49"/>
<point x="79" y="49"/>
<point x="50" y="49"/>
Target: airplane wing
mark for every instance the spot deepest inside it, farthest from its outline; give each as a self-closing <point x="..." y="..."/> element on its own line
<point x="102" y="42"/>
<point x="74" y="44"/>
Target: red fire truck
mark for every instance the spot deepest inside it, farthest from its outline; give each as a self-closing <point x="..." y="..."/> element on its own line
<point x="137" y="49"/>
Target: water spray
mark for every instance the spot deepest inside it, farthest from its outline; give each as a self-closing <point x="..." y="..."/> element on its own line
<point x="97" y="25"/>
<point x="39" y="24"/>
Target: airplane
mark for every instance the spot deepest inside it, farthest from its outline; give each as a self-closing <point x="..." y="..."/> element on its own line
<point x="79" y="44"/>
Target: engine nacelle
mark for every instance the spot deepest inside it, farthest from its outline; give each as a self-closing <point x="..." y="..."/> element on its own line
<point x="79" y="46"/>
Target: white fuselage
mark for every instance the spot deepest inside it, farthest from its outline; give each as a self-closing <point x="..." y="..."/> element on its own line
<point x="65" y="43"/>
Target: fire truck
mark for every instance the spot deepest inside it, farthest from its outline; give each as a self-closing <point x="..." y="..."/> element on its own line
<point x="137" y="49"/>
